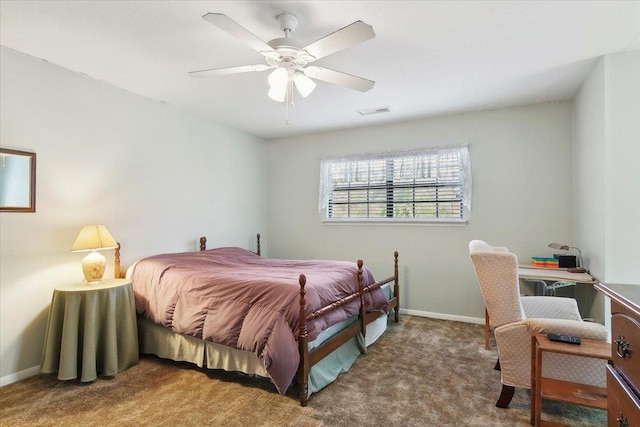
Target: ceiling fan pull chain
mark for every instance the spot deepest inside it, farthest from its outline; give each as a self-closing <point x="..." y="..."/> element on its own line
<point x="291" y="92"/>
<point x="286" y="101"/>
<point x="289" y="100"/>
<point x="286" y="120"/>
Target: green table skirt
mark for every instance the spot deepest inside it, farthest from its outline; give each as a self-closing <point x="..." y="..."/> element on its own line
<point x="91" y="332"/>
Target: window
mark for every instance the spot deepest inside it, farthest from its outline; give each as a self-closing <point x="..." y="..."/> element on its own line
<point x="423" y="185"/>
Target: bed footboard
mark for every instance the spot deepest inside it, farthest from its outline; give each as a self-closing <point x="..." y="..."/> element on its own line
<point x="310" y="358"/>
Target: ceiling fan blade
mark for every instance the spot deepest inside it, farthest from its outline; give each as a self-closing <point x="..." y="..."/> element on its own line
<point x="229" y="70"/>
<point x="341" y="39"/>
<point x="238" y="31"/>
<point x="339" y="78"/>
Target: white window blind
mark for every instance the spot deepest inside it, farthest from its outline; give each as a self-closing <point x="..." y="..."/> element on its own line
<point x="426" y="184"/>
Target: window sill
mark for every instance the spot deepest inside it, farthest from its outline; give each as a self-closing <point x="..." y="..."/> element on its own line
<point x="395" y="221"/>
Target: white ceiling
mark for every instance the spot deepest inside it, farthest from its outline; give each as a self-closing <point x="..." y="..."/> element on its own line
<point x="428" y="57"/>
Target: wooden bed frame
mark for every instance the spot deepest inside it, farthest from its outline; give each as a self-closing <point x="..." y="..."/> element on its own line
<point x="308" y="358"/>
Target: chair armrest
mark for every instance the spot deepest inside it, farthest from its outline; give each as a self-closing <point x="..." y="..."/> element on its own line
<point x="550" y="307"/>
<point x="514" y="342"/>
<point x="514" y="349"/>
<point x="586" y="330"/>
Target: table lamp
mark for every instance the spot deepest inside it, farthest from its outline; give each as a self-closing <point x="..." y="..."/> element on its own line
<point x="562" y="247"/>
<point x="93" y="238"/>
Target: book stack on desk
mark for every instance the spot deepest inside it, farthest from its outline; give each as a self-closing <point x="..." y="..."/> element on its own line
<point x="548" y="262"/>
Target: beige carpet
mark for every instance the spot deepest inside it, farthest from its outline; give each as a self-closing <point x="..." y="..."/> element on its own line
<point x="422" y="372"/>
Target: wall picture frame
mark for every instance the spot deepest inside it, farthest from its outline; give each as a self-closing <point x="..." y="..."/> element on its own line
<point x="17" y="181"/>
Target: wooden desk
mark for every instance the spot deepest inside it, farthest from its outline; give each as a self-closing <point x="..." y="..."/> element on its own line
<point x="553" y="274"/>
<point x="564" y="391"/>
<point x="557" y="277"/>
<point x="91" y="330"/>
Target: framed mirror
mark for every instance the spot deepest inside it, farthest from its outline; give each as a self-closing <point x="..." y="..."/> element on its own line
<point x="17" y="181"/>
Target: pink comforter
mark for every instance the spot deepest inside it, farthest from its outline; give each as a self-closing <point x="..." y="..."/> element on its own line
<point x="232" y="296"/>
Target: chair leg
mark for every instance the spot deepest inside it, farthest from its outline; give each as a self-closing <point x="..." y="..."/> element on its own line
<point x="505" y="396"/>
<point x="497" y="367"/>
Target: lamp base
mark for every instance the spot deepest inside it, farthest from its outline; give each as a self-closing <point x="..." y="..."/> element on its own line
<point x="93" y="266"/>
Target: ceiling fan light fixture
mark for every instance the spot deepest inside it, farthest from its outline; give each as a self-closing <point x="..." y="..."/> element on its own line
<point x="304" y="84"/>
<point x="278" y="80"/>
<point x="277" y="94"/>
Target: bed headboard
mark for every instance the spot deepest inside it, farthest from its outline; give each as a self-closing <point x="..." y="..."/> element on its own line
<point x="119" y="274"/>
<point x="203" y="244"/>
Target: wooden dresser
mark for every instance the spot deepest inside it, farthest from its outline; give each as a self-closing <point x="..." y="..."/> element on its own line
<point x="623" y="374"/>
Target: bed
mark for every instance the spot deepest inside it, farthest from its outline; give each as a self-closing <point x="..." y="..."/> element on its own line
<point x="230" y="308"/>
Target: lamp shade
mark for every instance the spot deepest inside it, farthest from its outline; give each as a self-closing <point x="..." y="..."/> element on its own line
<point x="92" y="238"/>
<point x="559" y="246"/>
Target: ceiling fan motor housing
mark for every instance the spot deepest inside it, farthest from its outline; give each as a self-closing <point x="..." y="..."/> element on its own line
<point x="289" y="51"/>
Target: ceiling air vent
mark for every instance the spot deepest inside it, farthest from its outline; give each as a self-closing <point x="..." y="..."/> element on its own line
<point x="370" y="111"/>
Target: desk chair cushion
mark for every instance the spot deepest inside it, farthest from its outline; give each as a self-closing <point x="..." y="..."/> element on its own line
<point x="550" y="307"/>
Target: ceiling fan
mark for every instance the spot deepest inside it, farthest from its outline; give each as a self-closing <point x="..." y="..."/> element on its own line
<point x="289" y="60"/>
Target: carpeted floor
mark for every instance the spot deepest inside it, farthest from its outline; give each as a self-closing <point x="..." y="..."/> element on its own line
<point x="422" y="372"/>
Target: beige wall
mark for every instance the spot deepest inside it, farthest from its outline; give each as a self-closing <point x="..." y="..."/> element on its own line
<point x="607" y="128"/>
<point x="589" y="131"/>
<point x="156" y="176"/>
<point x="622" y="181"/>
<point x="522" y="167"/>
<point x="607" y="177"/>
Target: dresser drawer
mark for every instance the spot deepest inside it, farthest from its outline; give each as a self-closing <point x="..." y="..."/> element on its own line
<point x="625" y="344"/>
<point x="623" y="404"/>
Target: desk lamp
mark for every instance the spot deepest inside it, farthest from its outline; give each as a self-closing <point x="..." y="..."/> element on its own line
<point x="93" y="238"/>
<point x="562" y="247"/>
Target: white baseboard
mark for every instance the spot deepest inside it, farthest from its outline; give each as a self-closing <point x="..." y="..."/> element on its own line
<point x="18" y="376"/>
<point x="442" y="316"/>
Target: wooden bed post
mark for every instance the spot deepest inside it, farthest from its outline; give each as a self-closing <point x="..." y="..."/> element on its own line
<point x="363" y="309"/>
<point x="116" y="262"/>
<point x="258" y="249"/>
<point x="303" y="342"/>
<point x="396" y="288"/>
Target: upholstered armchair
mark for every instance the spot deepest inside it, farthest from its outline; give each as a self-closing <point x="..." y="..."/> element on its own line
<point x="515" y="319"/>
